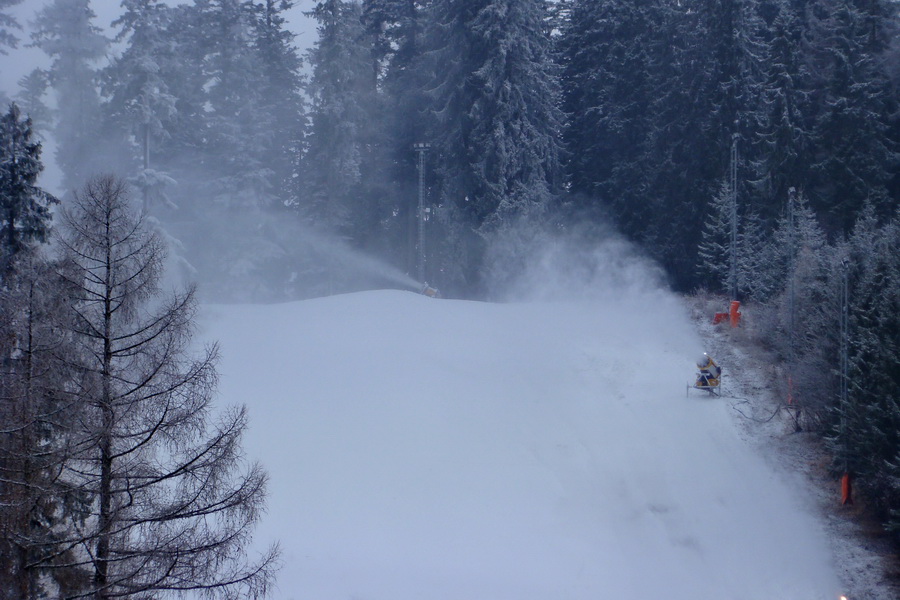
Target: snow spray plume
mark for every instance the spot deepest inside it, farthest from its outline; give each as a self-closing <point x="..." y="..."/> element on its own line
<point x="591" y="264"/>
<point x="530" y="261"/>
<point x="273" y="256"/>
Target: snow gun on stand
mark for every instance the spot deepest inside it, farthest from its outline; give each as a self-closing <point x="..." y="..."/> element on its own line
<point x="429" y="291"/>
<point x="709" y="375"/>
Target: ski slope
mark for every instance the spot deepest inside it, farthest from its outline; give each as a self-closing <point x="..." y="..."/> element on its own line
<point x="452" y="450"/>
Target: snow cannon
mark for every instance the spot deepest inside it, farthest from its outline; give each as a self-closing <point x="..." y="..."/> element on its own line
<point x="708" y="374"/>
<point x="429" y="291"/>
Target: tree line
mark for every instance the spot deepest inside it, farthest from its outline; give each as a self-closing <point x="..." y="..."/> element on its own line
<point x="550" y="111"/>
<point x="761" y="134"/>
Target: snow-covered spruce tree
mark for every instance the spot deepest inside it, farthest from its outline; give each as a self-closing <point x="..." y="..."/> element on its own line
<point x="341" y="91"/>
<point x="800" y="320"/>
<point x="8" y="23"/>
<point x="754" y="248"/>
<point x="24" y="207"/>
<point x="181" y="148"/>
<point x="783" y="136"/>
<point x="140" y="102"/>
<point x="381" y="19"/>
<point x="716" y="244"/>
<point x="234" y="80"/>
<point x="853" y="154"/>
<point x="225" y="133"/>
<point x="497" y="107"/>
<point x="281" y="96"/>
<point x="715" y="254"/>
<point x="33" y="89"/>
<point x="64" y="30"/>
<point x="495" y="99"/>
<point x="866" y="439"/>
<point x="606" y="52"/>
<point x="171" y="506"/>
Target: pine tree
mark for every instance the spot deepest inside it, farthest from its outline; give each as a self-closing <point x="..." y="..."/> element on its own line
<point x="754" y="256"/>
<point x="24" y="207"/>
<point x="715" y="250"/>
<point x="239" y="178"/>
<point x="182" y="148"/>
<point x="169" y="509"/>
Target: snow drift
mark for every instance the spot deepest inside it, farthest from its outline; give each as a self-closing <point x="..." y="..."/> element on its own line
<point x="444" y="449"/>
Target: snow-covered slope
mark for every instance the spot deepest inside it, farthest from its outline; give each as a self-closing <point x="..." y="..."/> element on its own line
<point x="454" y="450"/>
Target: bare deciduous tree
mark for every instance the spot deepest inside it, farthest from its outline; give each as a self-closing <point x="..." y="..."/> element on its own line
<point x="172" y="502"/>
<point x="34" y="411"/>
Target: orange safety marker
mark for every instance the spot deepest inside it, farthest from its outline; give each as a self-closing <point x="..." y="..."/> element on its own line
<point x="846" y="490"/>
<point x="734" y="313"/>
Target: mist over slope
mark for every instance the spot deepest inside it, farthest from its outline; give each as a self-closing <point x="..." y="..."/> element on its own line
<point x="535" y="450"/>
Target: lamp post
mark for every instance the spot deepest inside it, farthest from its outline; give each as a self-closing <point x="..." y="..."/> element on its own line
<point x="421" y="148"/>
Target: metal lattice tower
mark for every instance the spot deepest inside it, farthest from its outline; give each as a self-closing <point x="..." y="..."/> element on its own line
<point x="845" y="344"/>
<point x="733" y="268"/>
<point x="792" y="292"/>
<point x="421" y="148"/>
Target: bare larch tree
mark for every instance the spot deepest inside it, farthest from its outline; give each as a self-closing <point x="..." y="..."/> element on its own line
<point x="171" y="500"/>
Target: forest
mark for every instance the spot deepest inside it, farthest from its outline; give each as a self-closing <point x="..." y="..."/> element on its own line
<point x="750" y="147"/>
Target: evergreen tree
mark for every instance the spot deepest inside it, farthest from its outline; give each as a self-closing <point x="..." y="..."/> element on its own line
<point x="605" y="51"/>
<point x="867" y="436"/>
<point x="385" y="21"/>
<point x="32" y="91"/>
<point x="7" y="23"/>
<point x="396" y="30"/>
<point x="800" y="318"/>
<point x="783" y="138"/>
<point x="182" y="148"/>
<point x="281" y="99"/>
<point x="341" y="91"/>
<point x="852" y="155"/>
<point x="716" y="245"/>
<point x="496" y="102"/>
<point x="64" y="30"/>
<point x="236" y="128"/>
<point x="743" y="243"/>
<point x="136" y="84"/>
<point x="497" y="123"/>
<point x="24" y="207"/>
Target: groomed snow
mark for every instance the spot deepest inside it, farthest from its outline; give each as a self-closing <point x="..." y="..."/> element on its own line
<point x="450" y="450"/>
